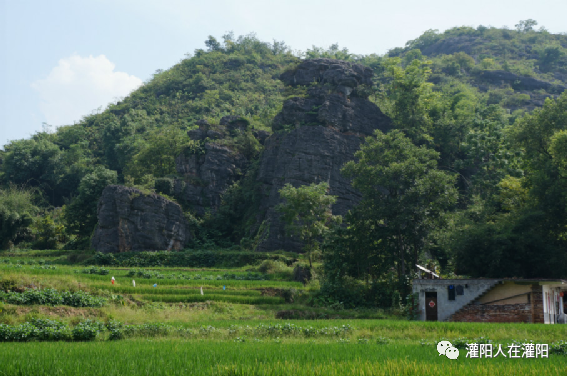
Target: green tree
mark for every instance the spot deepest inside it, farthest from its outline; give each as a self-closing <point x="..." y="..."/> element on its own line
<point x="16" y="214"/>
<point x="541" y="136"/>
<point x="427" y="38"/>
<point x="333" y="52"/>
<point x="404" y="196"/>
<point x="526" y="25"/>
<point x="212" y="44"/>
<point x="47" y="233"/>
<point x="408" y="98"/>
<point x="522" y="230"/>
<point x="550" y="56"/>
<point x="411" y="56"/>
<point x="307" y="213"/>
<point x="516" y="245"/>
<point x="121" y="139"/>
<point x="157" y="155"/>
<point x="81" y="213"/>
<point x="33" y="162"/>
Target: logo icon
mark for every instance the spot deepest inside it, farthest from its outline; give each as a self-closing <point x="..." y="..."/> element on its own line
<point x="446" y="348"/>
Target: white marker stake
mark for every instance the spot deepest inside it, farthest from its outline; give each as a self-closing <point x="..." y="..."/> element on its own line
<point x="133" y="283"/>
<point x="202" y="290"/>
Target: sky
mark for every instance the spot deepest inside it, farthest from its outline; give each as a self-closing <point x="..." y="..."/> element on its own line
<point x="61" y="60"/>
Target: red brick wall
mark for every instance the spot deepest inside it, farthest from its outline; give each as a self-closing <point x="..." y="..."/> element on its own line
<point x="537" y="303"/>
<point x="494" y="313"/>
<point x="525" y="312"/>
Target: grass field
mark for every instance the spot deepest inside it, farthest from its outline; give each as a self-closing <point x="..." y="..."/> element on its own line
<point x="172" y="329"/>
<point x="176" y="357"/>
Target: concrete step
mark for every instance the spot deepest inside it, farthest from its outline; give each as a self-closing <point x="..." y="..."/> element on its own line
<point x="476" y="297"/>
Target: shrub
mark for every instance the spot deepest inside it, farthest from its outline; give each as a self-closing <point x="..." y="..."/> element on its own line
<point x="164" y="186"/>
<point x="17" y="333"/>
<point x="411" y="309"/>
<point x="275" y="267"/>
<point x="152" y="330"/>
<point x="559" y="347"/>
<point x="149" y="274"/>
<point x="86" y="330"/>
<point x="116" y="330"/>
<point x="94" y="270"/>
<point x="52" y="297"/>
<point x="289" y="295"/>
<point x="201" y="259"/>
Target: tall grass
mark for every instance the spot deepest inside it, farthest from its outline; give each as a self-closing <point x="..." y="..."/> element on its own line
<point x="253" y="357"/>
<point x="123" y="280"/>
<point x="214" y="297"/>
<point x="176" y="291"/>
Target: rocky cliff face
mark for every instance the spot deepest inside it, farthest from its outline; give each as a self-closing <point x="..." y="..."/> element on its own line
<point x="317" y="136"/>
<point x="519" y="82"/>
<point x="129" y="220"/>
<point x="207" y="174"/>
<point x="314" y="137"/>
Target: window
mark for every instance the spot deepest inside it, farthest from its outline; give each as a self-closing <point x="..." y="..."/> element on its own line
<point x="451" y="289"/>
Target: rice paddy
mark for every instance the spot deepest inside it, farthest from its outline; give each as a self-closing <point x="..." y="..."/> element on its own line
<point x="177" y="357"/>
<point x="164" y="325"/>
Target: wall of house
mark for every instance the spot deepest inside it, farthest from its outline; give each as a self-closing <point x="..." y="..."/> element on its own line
<point x="503" y="311"/>
<point x="485" y="300"/>
<point x="520" y="312"/>
<point x="505" y="291"/>
<point x="445" y="307"/>
<point x="537" y="304"/>
<point x="552" y="304"/>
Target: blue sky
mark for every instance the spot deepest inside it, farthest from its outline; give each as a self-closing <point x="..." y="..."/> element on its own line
<point x="62" y="59"/>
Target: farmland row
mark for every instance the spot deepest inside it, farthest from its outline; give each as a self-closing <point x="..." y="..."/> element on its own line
<point x="254" y="357"/>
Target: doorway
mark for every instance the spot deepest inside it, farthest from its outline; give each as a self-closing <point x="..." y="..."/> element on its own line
<point x="431" y="306"/>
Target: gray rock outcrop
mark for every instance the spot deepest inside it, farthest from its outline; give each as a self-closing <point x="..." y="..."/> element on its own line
<point x="519" y="82"/>
<point x="129" y="220"/>
<point x="318" y="135"/>
<point x="207" y="175"/>
<point x="309" y="154"/>
<point x="342" y="76"/>
<point x="354" y="114"/>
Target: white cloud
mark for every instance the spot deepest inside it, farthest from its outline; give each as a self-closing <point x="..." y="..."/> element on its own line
<point x="78" y="85"/>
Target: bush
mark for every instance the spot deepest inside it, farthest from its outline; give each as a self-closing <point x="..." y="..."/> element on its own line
<point x="153" y="330"/>
<point x="411" y="309"/>
<point x="289" y="295"/>
<point x="82" y="299"/>
<point x="52" y="297"/>
<point x="47" y="233"/>
<point x="94" y="270"/>
<point x="164" y="186"/>
<point x="116" y="330"/>
<point x="149" y="274"/>
<point x="43" y="330"/>
<point x="559" y="347"/>
<point x="87" y="330"/>
<point x="302" y="273"/>
<point x="17" y="333"/>
<point x="200" y="259"/>
<point x="51" y="330"/>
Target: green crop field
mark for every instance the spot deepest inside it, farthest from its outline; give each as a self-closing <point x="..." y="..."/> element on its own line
<point x="59" y="319"/>
<point x="260" y="357"/>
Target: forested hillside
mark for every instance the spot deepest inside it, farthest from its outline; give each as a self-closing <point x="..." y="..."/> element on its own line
<point x="470" y="181"/>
